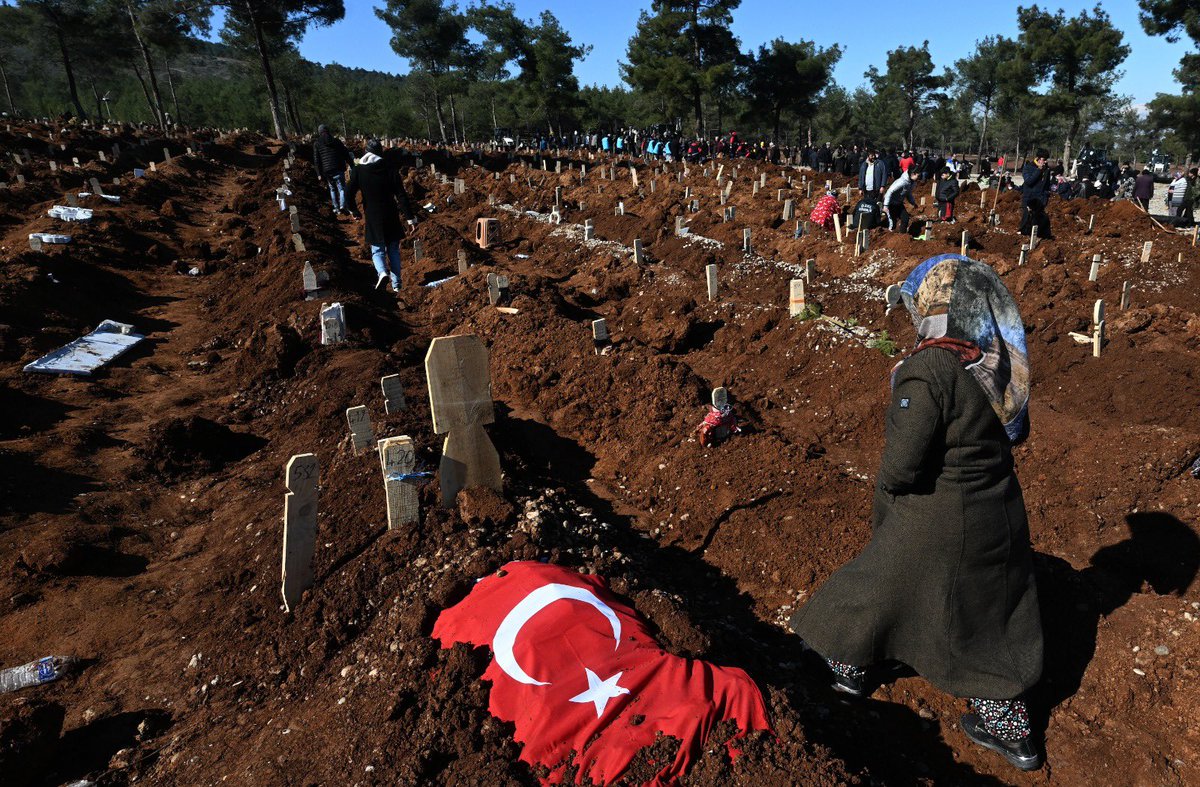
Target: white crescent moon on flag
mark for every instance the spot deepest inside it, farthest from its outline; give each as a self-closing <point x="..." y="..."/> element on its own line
<point x="535" y="602"/>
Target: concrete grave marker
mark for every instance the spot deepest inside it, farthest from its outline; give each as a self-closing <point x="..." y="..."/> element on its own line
<point x="299" y="527"/>
<point x="35" y="242"/>
<point x="710" y="275"/>
<point x="600" y="337"/>
<point x="796" y="298"/>
<point x="398" y="456"/>
<point x="1147" y="247"/>
<point x="1097" y="328"/>
<point x="810" y="270"/>
<point x="1094" y="273"/>
<point x="893" y="297"/>
<point x="53" y="166"/>
<point x="837" y="227"/>
<point x="1033" y="238"/>
<point x="72" y="200"/>
<point x="294" y="217"/>
<point x="153" y="167"/>
<point x="460" y="398"/>
<point x="789" y="210"/>
<point x="308" y="278"/>
<point x="20" y="179"/>
<point x="298" y="242"/>
<point x="1091" y="223"/>
<point x="333" y="324"/>
<point x="418" y="251"/>
<point x="75" y="161"/>
<point x="497" y="289"/>
<point x="966" y="242"/>
<point x="746" y="240"/>
<point x="720" y="398"/>
<point x="1024" y="255"/>
<point x="96" y="188"/>
<point x="589" y="230"/>
<point x="359" y="420"/>
<point x="393" y="394"/>
<point x="639" y="256"/>
<point x="462" y="261"/>
<point x="1126" y="292"/>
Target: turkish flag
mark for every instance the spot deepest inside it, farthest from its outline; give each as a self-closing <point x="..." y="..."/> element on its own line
<point x="577" y="671"/>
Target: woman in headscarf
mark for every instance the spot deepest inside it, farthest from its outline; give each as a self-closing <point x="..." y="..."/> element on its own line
<point x="946" y="584"/>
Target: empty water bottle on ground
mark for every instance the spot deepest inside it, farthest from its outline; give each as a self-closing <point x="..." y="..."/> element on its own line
<point x="34" y="673"/>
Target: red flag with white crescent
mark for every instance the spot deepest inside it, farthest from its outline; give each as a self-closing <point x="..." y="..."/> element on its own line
<point x="578" y="673"/>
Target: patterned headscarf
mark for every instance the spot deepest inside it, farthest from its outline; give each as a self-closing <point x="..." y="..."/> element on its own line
<point x="962" y="305"/>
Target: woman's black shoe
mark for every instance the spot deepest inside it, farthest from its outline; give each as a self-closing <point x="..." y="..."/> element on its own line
<point x="847" y="685"/>
<point x="1020" y="753"/>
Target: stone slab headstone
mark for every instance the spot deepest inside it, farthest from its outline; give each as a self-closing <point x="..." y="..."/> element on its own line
<point x="299" y="527"/>
<point x="497" y="285"/>
<point x="1126" y="292"/>
<point x="298" y="242"/>
<point x="460" y="399"/>
<point x="462" y="261"/>
<point x="710" y="277"/>
<point x="638" y="256"/>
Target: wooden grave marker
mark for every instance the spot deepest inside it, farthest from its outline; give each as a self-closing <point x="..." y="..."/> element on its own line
<point x="460" y="398"/>
<point x="1094" y="273"/>
<point x="1033" y="238"/>
<point x="796" y="298"/>
<point x="1091" y="223"/>
<point x="1024" y="254"/>
<point x="361" y="435"/>
<point x="398" y="457"/>
<point x="393" y="394"/>
<point x="1097" y="328"/>
<point x="966" y="242"/>
<point x="1126" y="292"/>
<point x="1147" y="248"/>
<point x="299" y="527"/>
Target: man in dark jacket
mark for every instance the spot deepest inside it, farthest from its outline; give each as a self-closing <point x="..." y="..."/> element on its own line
<point x="872" y="177"/>
<point x="1143" y="189"/>
<point x="1034" y="190"/>
<point x="330" y="158"/>
<point x="383" y="199"/>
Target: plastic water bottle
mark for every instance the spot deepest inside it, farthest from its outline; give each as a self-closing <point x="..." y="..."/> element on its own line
<point x="34" y="673"/>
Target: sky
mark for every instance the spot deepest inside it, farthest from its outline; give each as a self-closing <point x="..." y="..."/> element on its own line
<point x="866" y="30"/>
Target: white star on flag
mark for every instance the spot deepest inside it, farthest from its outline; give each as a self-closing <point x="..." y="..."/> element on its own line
<point x="599" y="692"/>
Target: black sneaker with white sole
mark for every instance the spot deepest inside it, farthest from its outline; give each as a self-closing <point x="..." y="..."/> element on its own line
<point x="1021" y="754"/>
<point x="383" y="277"/>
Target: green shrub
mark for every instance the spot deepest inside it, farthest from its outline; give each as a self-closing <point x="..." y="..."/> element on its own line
<point x="883" y="343"/>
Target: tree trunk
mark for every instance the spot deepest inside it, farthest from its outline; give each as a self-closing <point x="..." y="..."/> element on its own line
<point x="495" y="123"/>
<point x="66" y="61"/>
<point x="289" y="107"/>
<point x="437" y="108"/>
<point x="174" y="98"/>
<point x="12" y="109"/>
<point x="137" y="36"/>
<point x="145" y="88"/>
<point x="96" y="96"/>
<point x="345" y="133"/>
<point x="265" y="62"/>
<point x="453" y="119"/>
<point x="987" y="108"/>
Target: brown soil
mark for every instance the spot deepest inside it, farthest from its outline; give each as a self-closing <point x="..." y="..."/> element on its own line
<point x="140" y="509"/>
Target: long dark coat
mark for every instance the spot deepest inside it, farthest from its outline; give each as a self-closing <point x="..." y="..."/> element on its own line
<point x="946" y="585"/>
<point x="383" y="200"/>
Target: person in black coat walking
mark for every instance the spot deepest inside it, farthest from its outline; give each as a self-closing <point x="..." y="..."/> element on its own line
<point x="383" y="200"/>
<point x="1034" y="190"/>
<point x="330" y="158"/>
<point x="946" y="585"/>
